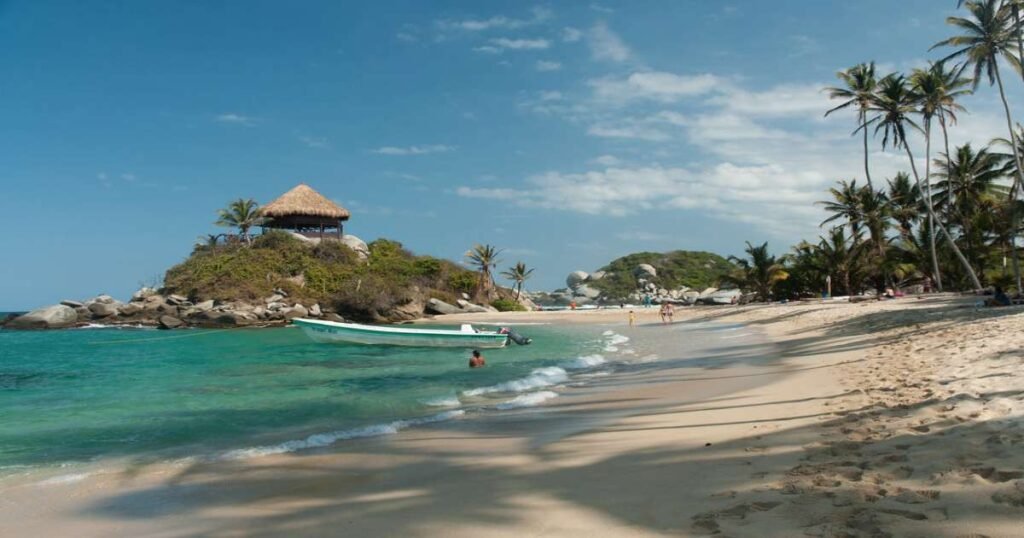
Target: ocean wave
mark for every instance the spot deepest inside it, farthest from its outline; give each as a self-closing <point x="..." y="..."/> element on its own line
<point x="614" y="340"/>
<point x="538" y="378"/>
<point x="326" y="439"/>
<point x="529" y="399"/>
<point x="587" y="361"/>
<point x="443" y="401"/>
<point x="65" y="479"/>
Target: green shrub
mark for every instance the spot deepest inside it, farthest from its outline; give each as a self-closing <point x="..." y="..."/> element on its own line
<point x="508" y="305"/>
<point x="333" y="251"/>
<point x="277" y="240"/>
<point x="463" y="281"/>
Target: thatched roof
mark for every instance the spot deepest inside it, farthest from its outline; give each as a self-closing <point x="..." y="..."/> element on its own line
<point x="303" y="200"/>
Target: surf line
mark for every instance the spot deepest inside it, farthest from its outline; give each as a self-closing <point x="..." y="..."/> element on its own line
<point x="133" y="340"/>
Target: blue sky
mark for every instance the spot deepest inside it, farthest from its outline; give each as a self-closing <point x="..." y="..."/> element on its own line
<point x="565" y="133"/>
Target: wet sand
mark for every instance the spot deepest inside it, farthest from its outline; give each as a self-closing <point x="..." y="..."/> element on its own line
<point x="898" y="418"/>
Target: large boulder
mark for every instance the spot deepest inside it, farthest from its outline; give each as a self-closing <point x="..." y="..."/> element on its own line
<point x="357" y="245"/>
<point x="177" y="300"/>
<point x="315" y="311"/>
<point x="72" y="304"/>
<point x="438" y="306"/>
<point x="645" y="270"/>
<point x="203" y="306"/>
<point x="170" y="322"/>
<point x="297" y="311"/>
<point x="585" y="290"/>
<point x="101" y="299"/>
<point x="597" y="275"/>
<point x="467" y="306"/>
<point x="214" y="319"/>
<point x="411" y="310"/>
<point x="575" y="278"/>
<point x="129" y="309"/>
<point x="50" y="317"/>
<point x="103" y="310"/>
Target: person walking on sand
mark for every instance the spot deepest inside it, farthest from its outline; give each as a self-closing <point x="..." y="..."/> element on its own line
<point x="477" y="360"/>
<point x="669" y="311"/>
<point x="664" y="313"/>
<point x="632" y="319"/>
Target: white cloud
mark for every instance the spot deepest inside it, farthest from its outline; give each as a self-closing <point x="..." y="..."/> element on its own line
<point x="654" y="85"/>
<point x="571" y="35"/>
<point x="606" y="160"/>
<point x="315" y="142"/>
<point x="805" y="100"/>
<point x="539" y="15"/>
<point x="601" y="9"/>
<point x="520" y="43"/>
<point x="545" y="65"/>
<point x="413" y="150"/>
<point x="606" y="44"/>
<point x="488" y="49"/>
<point x="236" y="119"/>
<point x="636" y="131"/>
<point x="407" y="37"/>
<point x="550" y="95"/>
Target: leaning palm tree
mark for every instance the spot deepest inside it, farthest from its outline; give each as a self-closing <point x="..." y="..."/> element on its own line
<point x="761" y="271"/>
<point x="242" y="214"/>
<point x="518" y="274"/>
<point x="860" y="83"/>
<point x="895" y="104"/>
<point x="484" y="258"/>
<point x="937" y="88"/>
<point x="992" y="33"/>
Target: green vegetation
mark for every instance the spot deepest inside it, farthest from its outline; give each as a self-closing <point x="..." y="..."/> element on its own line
<point x="696" y="270"/>
<point x="954" y="226"/>
<point x="484" y="258"/>
<point x="508" y="305"/>
<point x="329" y="273"/>
<point x="761" y="272"/>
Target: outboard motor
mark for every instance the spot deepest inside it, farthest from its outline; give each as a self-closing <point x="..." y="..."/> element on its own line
<point x="516" y="337"/>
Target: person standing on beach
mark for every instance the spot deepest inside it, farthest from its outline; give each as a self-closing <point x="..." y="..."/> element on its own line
<point x="664" y="313"/>
<point x="477" y="360"/>
<point x="670" y="310"/>
<point x="632" y="319"/>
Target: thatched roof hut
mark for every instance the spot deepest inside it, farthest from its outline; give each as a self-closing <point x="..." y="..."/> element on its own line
<point x="305" y="211"/>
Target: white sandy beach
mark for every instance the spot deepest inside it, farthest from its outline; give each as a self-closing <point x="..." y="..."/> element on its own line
<point x="900" y="418"/>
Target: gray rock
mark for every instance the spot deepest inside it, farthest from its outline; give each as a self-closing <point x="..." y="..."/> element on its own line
<point x="297" y="311"/>
<point x="465" y="295"/>
<point x="103" y="310"/>
<point x="315" y="311"/>
<point x="276" y="306"/>
<point x="645" y="271"/>
<point x="575" y="278"/>
<point x="597" y="275"/>
<point x="438" y="306"/>
<point x="357" y="245"/>
<point x="331" y="316"/>
<point x="50" y="317"/>
<point x="129" y="309"/>
<point x="213" y="319"/>
<point x="280" y="292"/>
<point x="275" y="298"/>
<point x="102" y="299"/>
<point x="467" y="306"/>
<point x="177" y="300"/>
<point x="83" y="314"/>
<point x="72" y="304"/>
<point x="260" y="311"/>
<point x="587" y="291"/>
<point x="170" y="322"/>
<point x="204" y="305"/>
<point x="143" y="294"/>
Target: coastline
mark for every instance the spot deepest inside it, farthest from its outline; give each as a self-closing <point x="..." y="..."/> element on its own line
<point x="735" y="446"/>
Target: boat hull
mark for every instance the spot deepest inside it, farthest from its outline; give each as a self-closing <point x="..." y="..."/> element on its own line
<point x="350" y="333"/>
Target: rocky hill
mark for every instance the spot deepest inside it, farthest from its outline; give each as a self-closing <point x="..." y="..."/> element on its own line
<point x="679" y="275"/>
<point x="281" y="276"/>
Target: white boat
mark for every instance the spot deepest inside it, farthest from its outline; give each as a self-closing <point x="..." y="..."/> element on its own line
<point x="467" y="337"/>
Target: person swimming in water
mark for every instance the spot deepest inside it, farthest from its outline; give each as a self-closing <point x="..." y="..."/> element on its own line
<point x="477" y="360"/>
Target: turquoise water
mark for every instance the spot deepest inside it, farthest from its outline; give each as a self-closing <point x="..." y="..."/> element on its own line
<point x="81" y="395"/>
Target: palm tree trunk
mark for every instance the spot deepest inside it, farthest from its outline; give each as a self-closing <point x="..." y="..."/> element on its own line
<point x="942" y="228"/>
<point x="928" y="194"/>
<point x="864" y="127"/>
<point x="1016" y="183"/>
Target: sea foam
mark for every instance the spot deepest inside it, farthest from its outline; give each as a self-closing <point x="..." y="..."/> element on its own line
<point x="538" y="378"/>
<point x="529" y="399"/>
<point x="443" y="401"/>
<point x="587" y="361"/>
<point x="326" y="439"/>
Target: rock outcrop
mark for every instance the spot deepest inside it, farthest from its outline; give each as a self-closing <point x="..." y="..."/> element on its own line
<point x="50" y="317"/>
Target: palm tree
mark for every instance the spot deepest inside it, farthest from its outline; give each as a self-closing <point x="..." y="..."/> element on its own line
<point x="845" y="203"/>
<point x="905" y="202"/>
<point x="937" y="88"/>
<point x="242" y="214"/>
<point x="841" y="258"/>
<point x="518" y="274"/>
<point x="761" y="272"/>
<point x="484" y="258"/>
<point x="970" y="189"/>
<point x="895" y="103"/>
<point x="991" y="33"/>
<point x="860" y="83"/>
